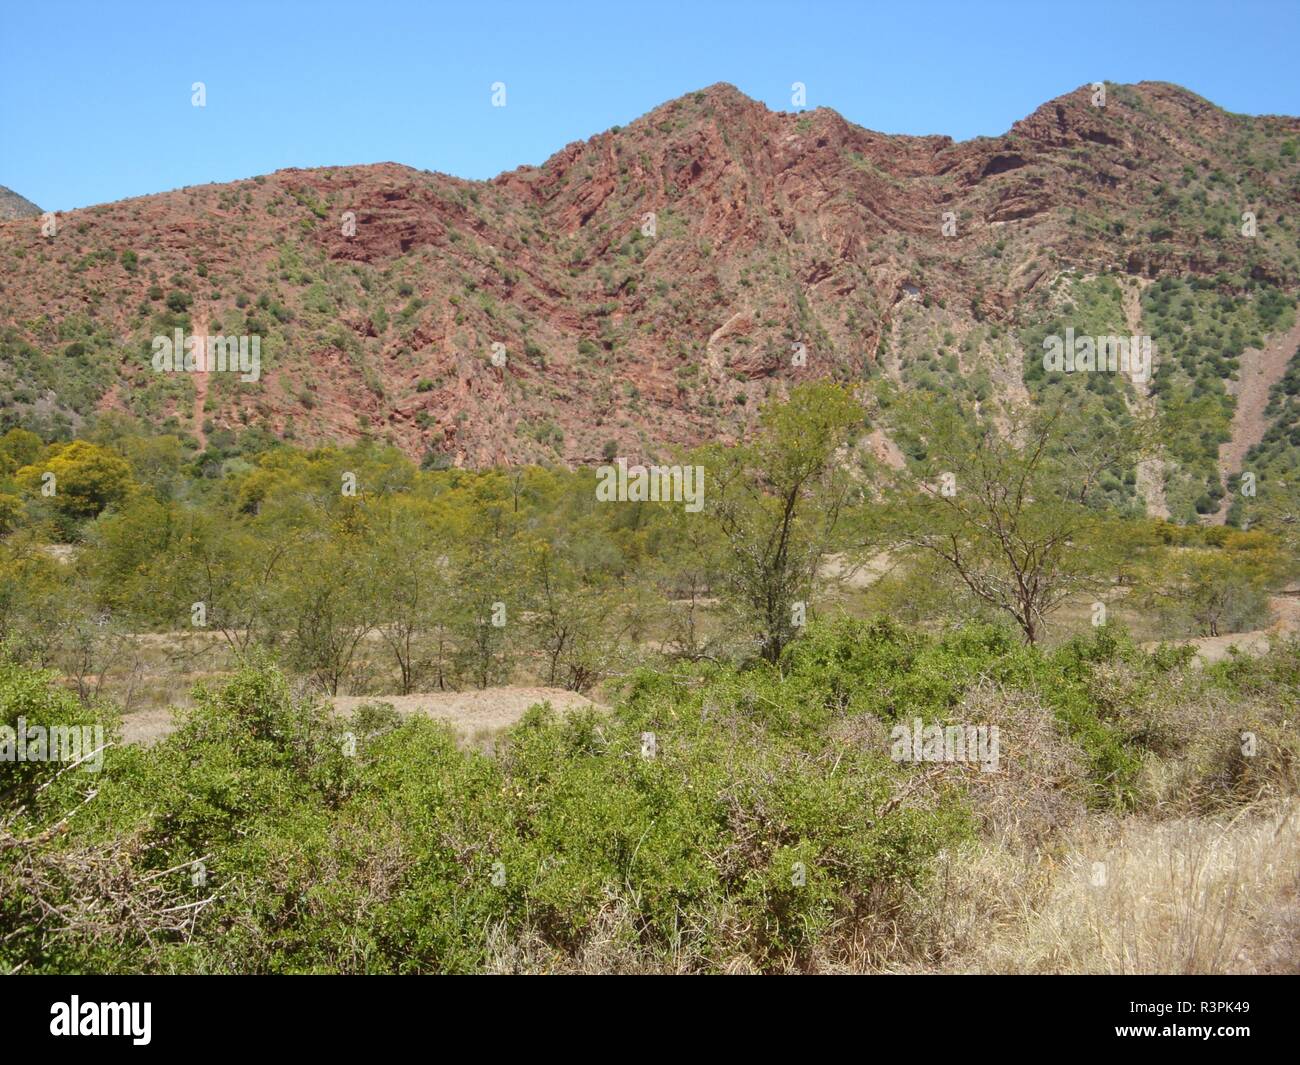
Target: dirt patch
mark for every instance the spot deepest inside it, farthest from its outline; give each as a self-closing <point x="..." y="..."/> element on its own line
<point x="885" y="451"/>
<point x="856" y="574"/>
<point x="1261" y="369"/>
<point x="1211" y="649"/>
<point x="200" y="329"/>
<point x="147" y="726"/>
<point x="471" y="713"/>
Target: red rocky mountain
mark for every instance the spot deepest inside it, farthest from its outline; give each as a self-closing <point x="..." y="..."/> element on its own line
<point x="649" y="286"/>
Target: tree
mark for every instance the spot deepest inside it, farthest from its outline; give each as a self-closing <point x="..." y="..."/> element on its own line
<point x="19" y="448"/>
<point x="777" y="500"/>
<point x="327" y="606"/>
<point x="412" y="586"/>
<point x="1217" y="588"/>
<point x="578" y="621"/>
<point x="86" y="478"/>
<point x="688" y="564"/>
<point x="1011" y="504"/>
<point x="486" y="602"/>
<point x="11" y="512"/>
<point x="485" y="574"/>
<point x="36" y="599"/>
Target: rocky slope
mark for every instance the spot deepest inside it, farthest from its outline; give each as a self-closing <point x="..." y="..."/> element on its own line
<point x="14" y="206"/>
<point x="649" y="286"/>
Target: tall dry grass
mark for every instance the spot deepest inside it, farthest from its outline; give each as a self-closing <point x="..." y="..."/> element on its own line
<point x="1135" y="896"/>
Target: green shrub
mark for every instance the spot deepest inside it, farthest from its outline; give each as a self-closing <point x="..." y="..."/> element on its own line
<point x="767" y="823"/>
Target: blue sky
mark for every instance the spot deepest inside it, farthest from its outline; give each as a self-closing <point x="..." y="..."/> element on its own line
<point x="95" y="97"/>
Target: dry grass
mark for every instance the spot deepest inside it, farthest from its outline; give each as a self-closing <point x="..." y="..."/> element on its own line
<point x="1130" y="896"/>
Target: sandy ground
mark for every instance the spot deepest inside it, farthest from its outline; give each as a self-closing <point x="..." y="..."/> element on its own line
<point x="147" y="726"/>
<point x="1210" y="649"/>
<point x="855" y="575"/>
<point x="472" y="713"/>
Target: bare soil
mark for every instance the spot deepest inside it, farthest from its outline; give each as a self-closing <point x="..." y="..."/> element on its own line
<point x="473" y="714"/>
<point x="1210" y="649"/>
<point x="1261" y="369"/>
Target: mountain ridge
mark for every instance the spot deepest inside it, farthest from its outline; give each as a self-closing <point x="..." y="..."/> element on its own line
<point x="771" y="230"/>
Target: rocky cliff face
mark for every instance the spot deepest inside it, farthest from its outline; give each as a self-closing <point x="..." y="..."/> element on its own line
<point x="648" y="287"/>
<point x="14" y="206"/>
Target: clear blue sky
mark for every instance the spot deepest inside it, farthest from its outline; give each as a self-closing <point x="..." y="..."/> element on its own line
<point x="95" y="97"/>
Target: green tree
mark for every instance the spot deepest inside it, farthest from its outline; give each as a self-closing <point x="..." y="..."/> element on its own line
<point x="86" y="478"/>
<point x="579" y="622"/>
<point x="412" y="588"/>
<point x="1009" y="501"/>
<point x="324" y="597"/>
<point x="777" y="501"/>
<point x="20" y="447"/>
<point x="1220" y="588"/>
<point x="688" y="560"/>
